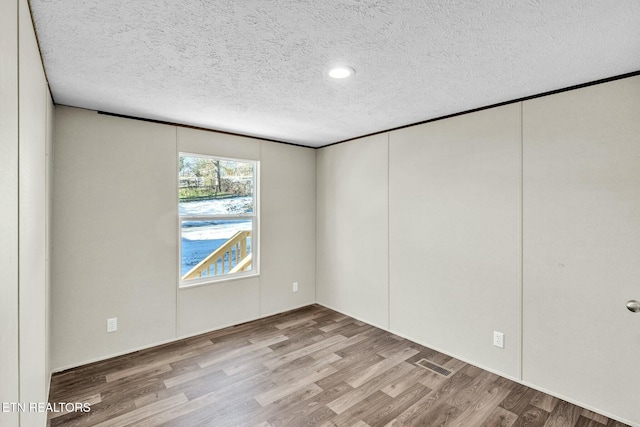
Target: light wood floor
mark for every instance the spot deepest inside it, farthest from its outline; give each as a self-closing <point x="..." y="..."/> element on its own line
<point x="310" y="366"/>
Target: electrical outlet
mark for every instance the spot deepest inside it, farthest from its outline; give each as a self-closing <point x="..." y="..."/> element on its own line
<point x="112" y="324"/>
<point x="498" y="339"/>
<point x="295" y="286"/>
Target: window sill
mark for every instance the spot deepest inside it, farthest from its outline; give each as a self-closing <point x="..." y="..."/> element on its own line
<point x="211" y="281"/>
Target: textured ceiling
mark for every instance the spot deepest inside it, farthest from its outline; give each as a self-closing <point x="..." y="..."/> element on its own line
<point x="259" y="67"/>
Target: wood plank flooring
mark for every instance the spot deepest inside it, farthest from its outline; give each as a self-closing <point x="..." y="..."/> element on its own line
<point x="310" y="366"/>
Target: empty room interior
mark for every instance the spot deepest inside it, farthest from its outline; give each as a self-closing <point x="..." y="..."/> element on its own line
<point x="337" y="213"/>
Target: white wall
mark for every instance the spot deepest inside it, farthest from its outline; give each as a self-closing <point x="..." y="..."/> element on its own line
<point x="582" y="245"/>
<point x="34" y="135"/>
<point x="25" y="133"/>
<point x="352" y="229"/>
<point x="288" y="227"/>
<point x="50" y="135"/>
<point x="115" y="235"/>
<point x="423" y="231"/>
<point x="9" y="209"/>
<point x="455" y="235"/>
<point x="458" y="245"/>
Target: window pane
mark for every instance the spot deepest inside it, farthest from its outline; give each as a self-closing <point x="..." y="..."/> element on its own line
<point x="217" y="217"/>
<point x="215" y="186"/>
<point x="215" y="247"/>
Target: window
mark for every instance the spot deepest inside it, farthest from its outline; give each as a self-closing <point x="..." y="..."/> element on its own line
<point x="217" y="208"/>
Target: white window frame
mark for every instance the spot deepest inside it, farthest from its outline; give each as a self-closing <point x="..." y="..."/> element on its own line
<point x="255" y="218"/>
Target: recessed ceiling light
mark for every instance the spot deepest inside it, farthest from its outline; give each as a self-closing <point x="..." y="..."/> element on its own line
<point x="341" y="72"/>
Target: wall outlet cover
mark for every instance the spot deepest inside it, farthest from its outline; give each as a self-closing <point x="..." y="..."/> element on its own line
<point x="498" y="339"/>
<point x="112" y="324"/>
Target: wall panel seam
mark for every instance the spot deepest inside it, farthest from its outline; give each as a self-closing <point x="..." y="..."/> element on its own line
<point x="177" y="250"/>
<point x="259" y="215"/>
<point x="388" y="230"/>
<point x="18" y="193"/>
<point x="521" y="311"/>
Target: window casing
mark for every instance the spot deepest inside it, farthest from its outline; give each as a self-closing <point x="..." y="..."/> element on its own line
<point x="218" y="219"/>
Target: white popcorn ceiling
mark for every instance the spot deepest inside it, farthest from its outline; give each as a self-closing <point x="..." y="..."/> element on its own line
<point x="259" y="67"/>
